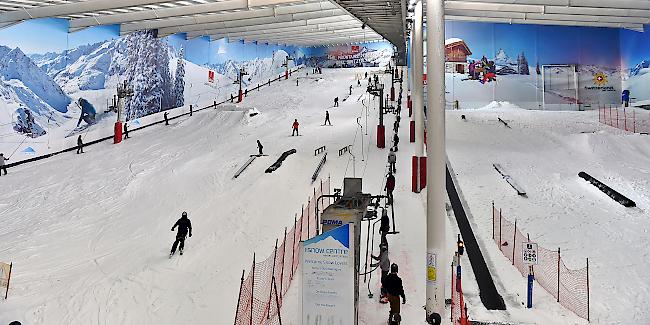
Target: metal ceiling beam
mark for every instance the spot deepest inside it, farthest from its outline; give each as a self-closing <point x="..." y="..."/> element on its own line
<point x="303" y="23"/>
<point x="637" y="27"/>
<point x="293" y="33"/>
<point x="269" y="28"/>
<point x="76" y="24"/>
<point x="286" y="31"/>
<point x="549" y="17"/>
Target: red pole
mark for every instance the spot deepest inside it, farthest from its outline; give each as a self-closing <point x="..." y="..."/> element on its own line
<point x="277" y="301"/>
<point x="293" y="249"/>
<point x="625" y="118"/>
<point x="241" y="284"/>
<point x="588" y="289"/>
<point x="558" y="274"/>
<point x="275" y="255"/>
<point x="252" y="289"/>
<point x="284" y="251"/>
<point x="514" y="243"/>
<point x="11" y="265"/>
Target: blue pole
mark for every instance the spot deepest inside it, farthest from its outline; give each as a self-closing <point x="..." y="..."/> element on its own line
<point x="531" y="279"/>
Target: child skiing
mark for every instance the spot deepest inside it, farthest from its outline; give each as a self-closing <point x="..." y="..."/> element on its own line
<point x="184" y="225"/>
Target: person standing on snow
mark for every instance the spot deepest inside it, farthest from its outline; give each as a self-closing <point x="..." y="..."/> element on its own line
<point x="80" y="145"/>
<point x="394" y="290"/>
<point x="384" y="264"/>
<point x="166" y="118"/>
<point x="350" y="89"/>
<point x="336" y="102"/>
<point x="392" y="159"/>
<point x="260" y="147"/>
<point x="390" y="187"/>
<point x="2" y="163"/>
<point x="327" y="118"/>
<point x="126" y="131"/>
<point x="184" y="225"/>
<point x="395" y="141"/>
<point x="295" y="127"/>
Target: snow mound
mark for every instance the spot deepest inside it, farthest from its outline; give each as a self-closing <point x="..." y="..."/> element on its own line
<point x="499" y="105"/>
<point x="452" y="40"/>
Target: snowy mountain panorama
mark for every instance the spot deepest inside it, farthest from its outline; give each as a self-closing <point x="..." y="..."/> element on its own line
<point x="258" y="69"/>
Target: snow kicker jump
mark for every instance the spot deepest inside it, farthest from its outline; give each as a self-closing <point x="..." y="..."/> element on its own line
<point x="616" y="196"/>
<point x="278" y="162"/>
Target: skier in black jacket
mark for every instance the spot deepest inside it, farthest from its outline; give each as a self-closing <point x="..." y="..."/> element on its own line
<point x="183" y="225"/>
<point x="393" y="285"/>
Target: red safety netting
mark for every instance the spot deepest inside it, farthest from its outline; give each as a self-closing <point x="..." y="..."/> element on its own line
<point x="630" y="119"/>
<point x="569" y="287"/>
<point x="458" y="307"/>
<point x="261" y="292"/>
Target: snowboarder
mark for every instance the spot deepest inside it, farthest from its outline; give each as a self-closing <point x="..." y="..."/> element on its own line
<point x="126" y="130"/>
<point x="390" y="187"/>
<point x="350" y="89"/>
<point x="327" y="118"/>
<point x="184" y="225"/>
<point x="392" y="159"/>
<point x="384" y="264"/>
<point x="260" y="147"/>
<point x="461" y="245"/>
<point x="80" y="145"/>
<point x="3" y="167"/>
<point x="395" y="141"/>
<point x="336" y="102"/>
<point x="394" y="290"/>
<point x="166" y="118"/>
<point x="295" y="127"/>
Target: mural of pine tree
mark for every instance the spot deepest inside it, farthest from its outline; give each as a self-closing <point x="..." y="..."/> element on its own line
<point x="522" y="64"/>
<point x="148" y="74"/>
<point x="179" y="81"/>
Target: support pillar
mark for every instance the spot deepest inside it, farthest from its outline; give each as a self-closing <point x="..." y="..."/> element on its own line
<point x="417" y="121"/>
<point x="117" y="135"/>
<point x="437" y="256"/>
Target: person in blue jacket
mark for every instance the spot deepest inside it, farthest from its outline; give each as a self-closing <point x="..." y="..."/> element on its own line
<point x="88" y="111"/>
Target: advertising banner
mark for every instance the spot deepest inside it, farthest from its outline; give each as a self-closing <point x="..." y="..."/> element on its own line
<point x="327" y="263"/>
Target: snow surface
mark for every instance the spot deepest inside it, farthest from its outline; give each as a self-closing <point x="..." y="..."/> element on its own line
<point x="89" y="234"/>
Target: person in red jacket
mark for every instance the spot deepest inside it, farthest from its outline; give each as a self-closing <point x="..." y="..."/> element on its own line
<point x="390" y="186"/>
<point x="295" y="127"/>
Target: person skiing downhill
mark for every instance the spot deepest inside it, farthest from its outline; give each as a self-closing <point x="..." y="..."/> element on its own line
<point x="184" y="225"/>
<point x="260" y="147"/>
<point x="394" y="290"/>
<point x="327" y="118"/>
<point x="295" y="127"/>
<point x="3" y="167"/>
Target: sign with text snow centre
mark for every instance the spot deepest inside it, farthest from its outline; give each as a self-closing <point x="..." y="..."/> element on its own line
<point x="327" y="263"/>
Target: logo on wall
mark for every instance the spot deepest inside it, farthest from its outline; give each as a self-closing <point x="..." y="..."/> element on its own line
<point x="600" y="78"/>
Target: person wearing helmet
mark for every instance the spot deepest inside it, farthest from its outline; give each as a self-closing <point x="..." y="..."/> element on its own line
<point x="184" y="225"/>
<point x="394" y="290"/>
<point x="384" y="264"/>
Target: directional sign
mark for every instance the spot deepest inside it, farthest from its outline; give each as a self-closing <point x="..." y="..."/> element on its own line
<point x="529" y="253"/>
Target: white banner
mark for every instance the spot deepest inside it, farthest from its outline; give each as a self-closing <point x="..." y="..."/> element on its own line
<point x="327" y="263"/>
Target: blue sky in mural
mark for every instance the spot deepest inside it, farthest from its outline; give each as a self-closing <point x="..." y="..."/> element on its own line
<point x="37" y="36"/>
<point x="198" y="50"/>
<point x="178" y="41"/>
<point x="635" y="47"/>
<point x="93" y="35"/>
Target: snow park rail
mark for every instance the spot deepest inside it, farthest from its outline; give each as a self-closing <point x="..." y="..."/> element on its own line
<point x="214" y="105"/>
<point x="261" y="292"/>
<point x="570" y="287"/>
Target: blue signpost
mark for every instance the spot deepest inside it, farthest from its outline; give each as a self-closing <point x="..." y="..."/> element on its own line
<point x="531" y="279"/>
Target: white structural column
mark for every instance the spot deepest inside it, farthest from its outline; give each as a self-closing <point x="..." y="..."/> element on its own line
<point x="409" y="71"/>
<point x="418" y="84"/>
<point x="436" y="161"/>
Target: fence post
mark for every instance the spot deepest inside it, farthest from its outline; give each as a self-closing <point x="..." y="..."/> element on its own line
<point x="275" y="255"/>
<point x="617" y="118"/>
<point x="492" y="221"/>
<point x="302" y="217"/>
<point x="252" y="289"/>
<point x="625" y="118"/>
<point x="11" y="266"/>
<point x="284" y="252"/>
<point x="241" y="285"/>
<point x="293" y="255"/>
<point x="558" y="274"/>
<point x="500" y="217"/>
<point x="277" y="302"/>
<point x="514" y="243"/>
<point x="588" y="289"/>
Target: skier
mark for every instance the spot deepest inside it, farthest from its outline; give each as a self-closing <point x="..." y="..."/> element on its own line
<point x="80" y="145"/>
<point x="394" y="289"/>
<point x="295" y="127"/>
<point x="126" y="131"/>
<point x="390" y="187"/>
<point x="392" y="159"/>
<point x="384" y="264"/>
<point x="183" y="225"/>
<point x="350" y="89"/>
<point x="395" y="141"/>
<point x="461" y="245"/>
<point x="166" y="118"/>
<point x="260" y="147"/>
<point x="2" y="163"/>
<point x="336" y="102"/>
<point x="327" y="118"/>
